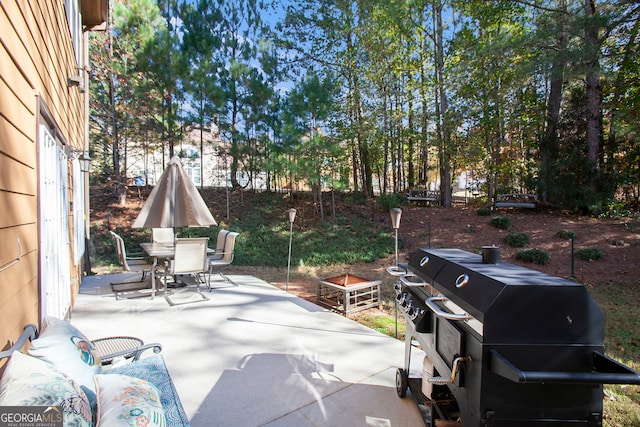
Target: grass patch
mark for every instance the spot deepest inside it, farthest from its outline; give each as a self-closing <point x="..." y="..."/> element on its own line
<point x="264" y="237"/>
<point x="382" y="323"/>
<point x="484" y="211"/>
<point x="620" y="303"/>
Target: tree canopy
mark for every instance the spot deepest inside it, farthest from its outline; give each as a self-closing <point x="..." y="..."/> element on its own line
<point x="378" y="97"/>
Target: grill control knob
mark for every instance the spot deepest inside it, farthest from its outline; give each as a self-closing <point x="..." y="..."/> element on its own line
<point x="397" y="287"/>
<point x="406" y="300"/>
<point x="400" y="298"/>
<point x="409" y="308"/>
<point x="417" y="312"/>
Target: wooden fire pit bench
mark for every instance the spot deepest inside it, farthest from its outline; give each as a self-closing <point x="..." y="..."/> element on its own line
<point x="517" y="200"/>
<point x="348" y="294"/>
<point x="423" y="196"/>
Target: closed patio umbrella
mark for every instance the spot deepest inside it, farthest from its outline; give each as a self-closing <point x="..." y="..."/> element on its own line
<point x="174" y="202"/>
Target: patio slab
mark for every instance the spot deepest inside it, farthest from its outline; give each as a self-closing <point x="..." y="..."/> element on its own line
<point x="254" y="355"/>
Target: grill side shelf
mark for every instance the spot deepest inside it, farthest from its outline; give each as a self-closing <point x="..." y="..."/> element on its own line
<point x="606" y="371"/>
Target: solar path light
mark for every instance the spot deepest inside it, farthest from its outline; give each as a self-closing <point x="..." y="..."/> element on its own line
<point x="396" y="270"/>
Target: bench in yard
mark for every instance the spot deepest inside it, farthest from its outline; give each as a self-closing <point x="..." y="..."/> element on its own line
<point x="518" y="200"/>
<point x="423" y="196"/>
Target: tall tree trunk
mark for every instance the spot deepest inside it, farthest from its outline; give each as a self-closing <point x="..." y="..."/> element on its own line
<point x="549" y="143"/>
<point x="423" y="175"/>
<point x="320" y="201"/>
<point x="620" y="88"/>
<point x="202" y="140"/>
<point x="235" y="145"/>
<point x="410" y="181"/>
<point x="399" y="146"/>
<point x="365" y="161"/>
<point x="121" y="192"/>
<point x="444" y="132"/>
<point x="386" y="135"/>
<point x="354" y="166"/>
<point x="593" y="90"/>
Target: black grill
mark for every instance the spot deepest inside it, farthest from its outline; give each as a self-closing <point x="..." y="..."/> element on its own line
<point x="509" y="346"/>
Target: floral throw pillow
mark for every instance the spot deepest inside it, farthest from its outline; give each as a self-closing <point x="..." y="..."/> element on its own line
<point x="28" y="381"/>
<point x="64" y="346"/>
<point x="127" y="401"/>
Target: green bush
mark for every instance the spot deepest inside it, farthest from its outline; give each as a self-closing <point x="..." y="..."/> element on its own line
<point x="517" y="240"/>
<point x="501" y="222"/>
<point x="390" y="201"/>
<point x="566" y="234"/>
<point x="484" y="211"/>
<point x="632" y="225"/>
<point x="589" y="254"/>
<point x="535" y="256"/>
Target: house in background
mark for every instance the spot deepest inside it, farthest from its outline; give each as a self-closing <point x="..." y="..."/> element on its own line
<point x="43" y="142"/>
<point x="205" y="156"/>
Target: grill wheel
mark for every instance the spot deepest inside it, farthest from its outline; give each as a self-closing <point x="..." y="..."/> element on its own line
<point x="401" y="382"/>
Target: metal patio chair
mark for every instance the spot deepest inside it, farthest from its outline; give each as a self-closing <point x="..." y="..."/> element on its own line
<point x="220" y="242"/>
<point x="132" y="263"/>
<point x="190" y="259"/>
<point x="223" y="259"/>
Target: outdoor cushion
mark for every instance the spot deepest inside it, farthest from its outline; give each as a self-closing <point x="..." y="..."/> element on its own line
<point x="28" y="381"/>
<point x="128" y="402"/>
<point x="64" y="346"/>
<point x="154" y="370"/>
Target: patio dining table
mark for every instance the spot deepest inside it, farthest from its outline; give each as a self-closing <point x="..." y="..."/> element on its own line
<point x="157" y="250"/>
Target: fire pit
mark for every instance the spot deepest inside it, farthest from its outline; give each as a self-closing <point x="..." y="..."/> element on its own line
<point x="348" y="293"/>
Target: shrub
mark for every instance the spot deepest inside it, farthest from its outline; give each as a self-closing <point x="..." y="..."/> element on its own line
<point x="484" y="211"/>
<point x="535" y="256"/>
<point x="390" y="201"/>
<point x="632" y="225"/>
<point x="566" y="234"/>
<point x="589" y="254"/>
<point x="517" y="240"/>
<point x="501" y="222"/>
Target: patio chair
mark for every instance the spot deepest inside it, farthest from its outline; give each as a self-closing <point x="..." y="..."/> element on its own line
<point x="132" y="263"/>
<point x="219" y="252"/>
<point x="162" y="235"/>
<point x="190" y="259"/>
<point x="226" y="259"/>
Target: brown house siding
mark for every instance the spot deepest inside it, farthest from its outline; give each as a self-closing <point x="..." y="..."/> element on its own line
<point x="36" y="57"/>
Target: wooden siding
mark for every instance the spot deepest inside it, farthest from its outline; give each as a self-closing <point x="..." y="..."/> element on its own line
<point x="36" y="57"/>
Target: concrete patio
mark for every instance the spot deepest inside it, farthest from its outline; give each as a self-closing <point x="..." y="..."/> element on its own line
<point x="254" y="355"/>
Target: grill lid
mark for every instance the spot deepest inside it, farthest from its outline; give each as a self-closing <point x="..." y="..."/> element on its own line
<point x="514" y="303"/>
